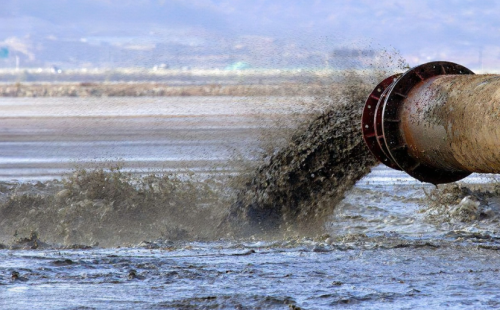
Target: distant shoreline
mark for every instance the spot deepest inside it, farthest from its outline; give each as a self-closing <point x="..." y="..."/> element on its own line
<point x="140" y="89"/>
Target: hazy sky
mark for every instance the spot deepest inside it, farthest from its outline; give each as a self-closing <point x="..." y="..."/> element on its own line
<point x="422" y="30"/>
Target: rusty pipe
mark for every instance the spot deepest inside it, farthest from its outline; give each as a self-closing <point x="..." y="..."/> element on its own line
<point x="438" y="122"/>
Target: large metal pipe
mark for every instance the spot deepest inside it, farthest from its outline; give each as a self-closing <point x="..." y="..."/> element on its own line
<point x="438" y="122"/>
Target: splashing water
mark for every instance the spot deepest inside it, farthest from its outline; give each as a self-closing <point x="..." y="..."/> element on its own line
<point x="301" y="184"/>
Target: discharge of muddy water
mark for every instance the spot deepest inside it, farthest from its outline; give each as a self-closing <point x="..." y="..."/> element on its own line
<point x="300" y="185"/>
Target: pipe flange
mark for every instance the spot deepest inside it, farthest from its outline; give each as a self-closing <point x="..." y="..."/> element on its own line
<point x="391" y="122"/>
<point x="371" y="126"/>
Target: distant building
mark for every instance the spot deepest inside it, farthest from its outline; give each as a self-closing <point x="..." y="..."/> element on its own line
<point x="56" y="69"/>
<point x="161" y="67"/>
<point x="4" y="52"/>
<point x="350" y="58"/>
<point x="239" y="65"/>
<point x="353" y="53"/>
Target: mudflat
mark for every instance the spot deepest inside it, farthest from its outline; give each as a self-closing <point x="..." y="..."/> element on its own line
<point x="43" y="137"/>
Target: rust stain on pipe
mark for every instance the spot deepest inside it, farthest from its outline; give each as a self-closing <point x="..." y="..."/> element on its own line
<point x="439" y="122"/>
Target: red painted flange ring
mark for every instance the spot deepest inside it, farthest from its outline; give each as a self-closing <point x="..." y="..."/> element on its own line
<point x="371" y="132"/>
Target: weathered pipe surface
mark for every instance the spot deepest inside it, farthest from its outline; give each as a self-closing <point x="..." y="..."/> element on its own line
<point x="438" y="122"/>
<point x="453" y="122"/>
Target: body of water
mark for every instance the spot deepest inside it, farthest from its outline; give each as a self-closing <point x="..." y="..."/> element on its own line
<point x="385" y="245"/>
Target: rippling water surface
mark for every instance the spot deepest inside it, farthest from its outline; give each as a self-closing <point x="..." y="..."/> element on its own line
<point x="369" y="274"/>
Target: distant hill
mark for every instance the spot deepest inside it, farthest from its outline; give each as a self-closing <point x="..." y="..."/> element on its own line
<point x="265" y="33"/>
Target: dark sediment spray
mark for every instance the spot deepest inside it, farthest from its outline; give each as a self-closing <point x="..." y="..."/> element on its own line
<point x="299" y="186"/>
